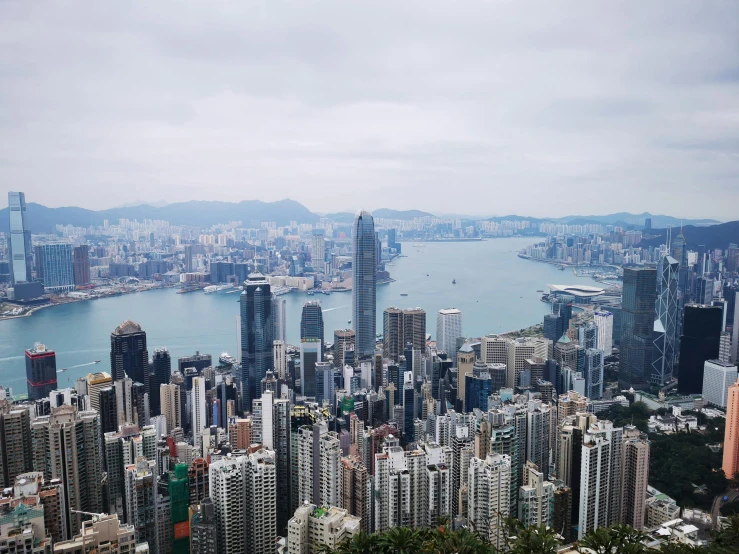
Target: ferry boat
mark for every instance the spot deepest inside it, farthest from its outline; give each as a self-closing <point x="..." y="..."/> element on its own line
<point x="454" y="281"/>
<point x="310" y="293"/>
<point x="403" y="294"/>
<point x="226" y="359"/>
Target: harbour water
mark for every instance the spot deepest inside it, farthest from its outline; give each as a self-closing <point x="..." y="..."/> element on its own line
<point x="495" y="290"/>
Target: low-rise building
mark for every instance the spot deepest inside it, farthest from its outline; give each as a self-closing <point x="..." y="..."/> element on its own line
<point x="313" y="526"/>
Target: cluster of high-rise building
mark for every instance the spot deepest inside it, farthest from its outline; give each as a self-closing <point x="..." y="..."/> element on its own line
<point x="289" y="447"/>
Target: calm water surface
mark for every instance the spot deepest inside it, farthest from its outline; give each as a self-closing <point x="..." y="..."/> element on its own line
<point x="495" y="290"/>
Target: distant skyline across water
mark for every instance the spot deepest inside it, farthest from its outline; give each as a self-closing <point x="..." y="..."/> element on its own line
<point x="496" y="291"/>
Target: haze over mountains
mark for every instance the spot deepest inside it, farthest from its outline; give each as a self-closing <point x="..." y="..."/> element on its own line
<point x="42" y="219"/>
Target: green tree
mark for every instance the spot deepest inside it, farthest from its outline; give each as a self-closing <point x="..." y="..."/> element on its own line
<point x="531" y="540"/>
<point x="401" y="540"/>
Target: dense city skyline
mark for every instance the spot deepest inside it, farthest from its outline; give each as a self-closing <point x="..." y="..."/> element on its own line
<point x="629" y="105"/>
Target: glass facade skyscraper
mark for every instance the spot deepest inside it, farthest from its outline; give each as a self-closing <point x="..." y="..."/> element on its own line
<point x="637" y="337"/>
<point x="40" y="372"/>
<point x="665" y="324"/>
<point x="257" y="336"/>
<point x="128" y="354"/>
<point x="21" y="255"/>
<point x="698" y="343"/>
<point x="364" y="281"/>
<point x="58" y="266"/>
<point x="311" y="323"/>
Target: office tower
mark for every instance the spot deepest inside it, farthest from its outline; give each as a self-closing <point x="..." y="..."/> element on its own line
<point x="40" y="371"/>
<point x="96" y="382"/>
<point x="256" y="336"/>
<point x="318" y="250"/>
<point x="243" y="491"/>
<point x="16" y="454"/>
<point x="128" y="354"/>
<point x="593" y="373"/>
<point x="535" y="498"/>
<point x="724" y="348"/>
<point x="58" y="266"/>
<point x="203" y="535"/>
<point x="731" y="435"/>
<point x="448" y="330"/>
<point x="131" y="400"/>
<point x="600" y="477"/>
<point x="392" y="333"/>
<point x="105" y="533"/>
<point x="198" y="361"/>
<point x="587" y="335"/>
<point x="177" y="486"/>
<point x="364" y="284"/>
<point x="478" y="387"/>
<point x="344" y="342"/>
<point x="311" y="324"/>
<point x="735" y="328"/>
<point x="637" y="336"/>
<point x="494" y="350"/>
<point x="279" y="324"/>
<point x="240" y="433"/>
<point x="718" y="377"/>
<point x="635" y="470"/>
<point x="409" y="409"/>
<point x="665" y="324"/>
<point x="604" y="322"/>
<point x="198" y="481"/>
<point x="539" y="418"/>
<point x="520" y="350"/>
<point x="20" y="253"/>
<point x="81" y="257"/>
<point x="325" y="386"/>
<point x="170" y="401"/>
<point x="489" y="498"/>
<point x="140" y="498"/>
<point x="703" y="290"/>
<point x="677" y="249"/>
<point x="67" y="430"/>
<point x="353" y="484"/>
<point x="199" y="417"/>
<point x="699" y="343"/>
<point x="310" y="355"/>
<point x="108" y="409"/>
<point x="161" y="370"/>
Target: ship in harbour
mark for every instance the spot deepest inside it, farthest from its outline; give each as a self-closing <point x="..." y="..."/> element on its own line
<point x="226" y="359"/>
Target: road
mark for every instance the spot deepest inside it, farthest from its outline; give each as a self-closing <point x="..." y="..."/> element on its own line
<point x="719" y="501"/>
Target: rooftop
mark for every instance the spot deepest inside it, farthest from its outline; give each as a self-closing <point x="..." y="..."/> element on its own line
<point x="581" y="291"/>
<point x="128" y="327"/>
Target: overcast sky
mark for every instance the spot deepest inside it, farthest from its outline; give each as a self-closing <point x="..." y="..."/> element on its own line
<point x="546" y="108"/>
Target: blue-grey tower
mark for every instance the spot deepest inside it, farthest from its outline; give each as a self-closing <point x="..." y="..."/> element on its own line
<point x="257" y="336"/>
<point x="21" y="255"/>
<point x="665" y="324"/>
<point x="364" y="278"/>
<point x="311" y="323"/>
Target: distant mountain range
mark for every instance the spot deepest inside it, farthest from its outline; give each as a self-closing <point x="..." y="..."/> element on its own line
<point x="205" y="214"/>
<point x="713" y="236"/>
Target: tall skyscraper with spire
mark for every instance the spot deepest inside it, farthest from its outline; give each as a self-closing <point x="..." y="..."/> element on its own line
<point x="257" y="336"/>
<point x="364" y="279"/>
<point x="21" y="255"/>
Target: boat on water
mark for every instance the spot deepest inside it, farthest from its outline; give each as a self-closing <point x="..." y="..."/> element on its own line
<point x="62" y="370"/>
<point x="454" y="281"/>
<point x="226" y="359"/>
<point x="97" y="361"/>
<point x="326" y="292"/>
<point x="310" y="293"/>
<point x="403" y="294"/>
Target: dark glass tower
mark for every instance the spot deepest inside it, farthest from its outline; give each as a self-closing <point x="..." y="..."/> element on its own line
<point x="161" y="370"/>
<point x="698" y="343"/>
<point x="257" y="336"/>
<point x="311" y="323"/>
<point x="128" y="354"/>
<point x="40" y="372"/>
<point x="21" y="255"/>
<point x="637" y="336"/>
<point x="364" y="280"/>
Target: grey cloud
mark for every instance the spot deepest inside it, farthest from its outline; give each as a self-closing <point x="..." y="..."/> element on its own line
<point x="502" y="107"/>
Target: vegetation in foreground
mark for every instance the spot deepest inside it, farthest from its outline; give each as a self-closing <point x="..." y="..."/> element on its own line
<point x="620" y="539"/>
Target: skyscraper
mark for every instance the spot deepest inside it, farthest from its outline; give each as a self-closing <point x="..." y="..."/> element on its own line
<point x="400" y="327"/>
<point x="161" y="370"/>
<point x="344" y="343"/>
<point x="489" y="496"/>
<point x="40" y="371"/>
<point x="604" y="321"/>
<point x="170" y="401"/>
<point x="16" y="454"/>
<point x="318" y="250"/>
<point x="58" y="266"/>
<point x="637" y="336"/>
<point x="699" y="342"/>
<point x="635" y="471"/>
<point x="311" y="323"/>
<point x="731" y="435"/>
<point x="364" y="281"/>
<point x="448" y="330"/>
<point x="278" y="318"/>
<point x="665" y="324"/>
<point x="199" y="418"/>
<point x="257" y="333"/>
<point x="310" y="355"/>
<point x="81" y="255"/>
<point x="128" y="354"/>
<point x="21" y="255"/>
